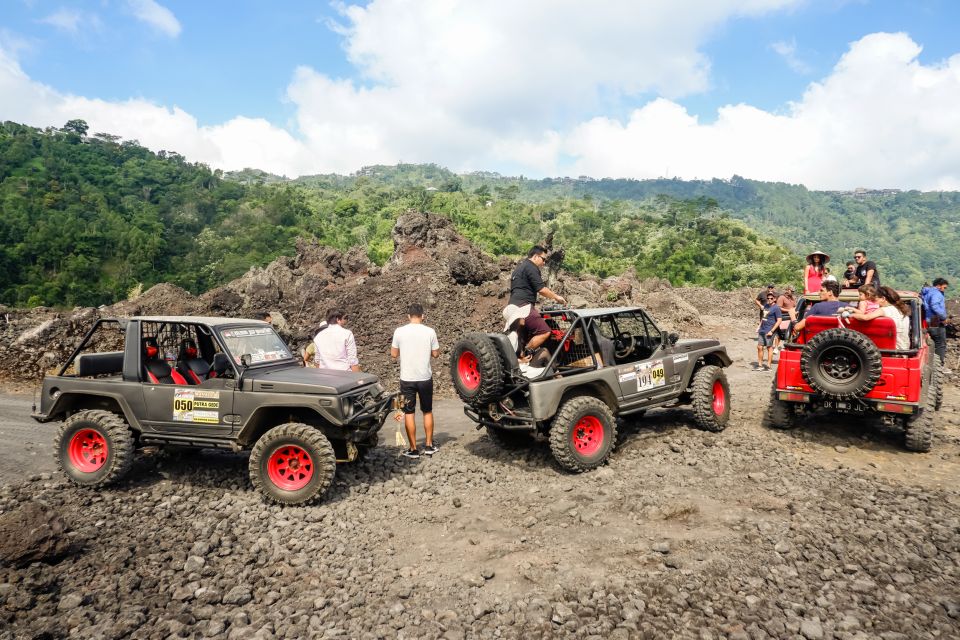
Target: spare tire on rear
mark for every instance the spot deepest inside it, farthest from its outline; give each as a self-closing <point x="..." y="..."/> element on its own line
<point x="477" y="369"/>
<point x="841" y="363"/>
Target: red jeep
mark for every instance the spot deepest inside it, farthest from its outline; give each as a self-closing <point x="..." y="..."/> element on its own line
<point x="849" y="366"/>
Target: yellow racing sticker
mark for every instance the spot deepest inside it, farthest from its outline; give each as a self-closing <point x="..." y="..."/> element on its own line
<point x="196" y="405"/>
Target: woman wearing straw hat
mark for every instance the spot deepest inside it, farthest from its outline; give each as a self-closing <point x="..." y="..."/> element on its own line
<point x="813" y="272"/>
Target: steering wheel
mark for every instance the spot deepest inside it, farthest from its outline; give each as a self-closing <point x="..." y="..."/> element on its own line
<point x="623" y="344"/>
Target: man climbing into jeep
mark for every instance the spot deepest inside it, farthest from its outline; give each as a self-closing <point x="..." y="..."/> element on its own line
<point x="526" y="284"/>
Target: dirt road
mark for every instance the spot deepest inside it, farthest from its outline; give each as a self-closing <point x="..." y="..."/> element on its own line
<point x="828" y="531"/>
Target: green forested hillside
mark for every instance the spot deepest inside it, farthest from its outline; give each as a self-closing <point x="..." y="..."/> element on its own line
<point x="84" y="218"/>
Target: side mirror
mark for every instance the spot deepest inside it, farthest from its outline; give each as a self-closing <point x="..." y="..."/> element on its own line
<point x="221" y="362"/>
<point x="245" y="360"/>
<point x="673" y="337"/>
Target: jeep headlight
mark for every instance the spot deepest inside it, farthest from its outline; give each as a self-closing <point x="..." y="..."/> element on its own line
<point x="346" y="407"/>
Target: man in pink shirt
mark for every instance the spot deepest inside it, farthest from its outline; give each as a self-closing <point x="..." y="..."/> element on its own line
<point x="335" y="346"/>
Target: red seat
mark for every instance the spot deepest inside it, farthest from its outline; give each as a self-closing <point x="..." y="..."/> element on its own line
<point x="883" y="331"/>
<point x="193" y="368"/>
<point x="156" y="370"/>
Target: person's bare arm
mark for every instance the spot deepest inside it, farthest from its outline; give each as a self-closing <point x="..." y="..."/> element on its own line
<point x="435" y="353"/>
<point x="869" y="277"/>
<point x="547" y="293"/>
<point x="859" y="315"/>
<point x="775" y="327"/>
<point x="395" y="353"/>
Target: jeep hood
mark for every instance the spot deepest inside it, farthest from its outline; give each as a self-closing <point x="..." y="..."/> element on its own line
<point x="308" y="380"/>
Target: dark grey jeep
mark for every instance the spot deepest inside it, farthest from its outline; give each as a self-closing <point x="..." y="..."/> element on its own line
<point x="604" y="363"/>
<point x="184" y="381"/>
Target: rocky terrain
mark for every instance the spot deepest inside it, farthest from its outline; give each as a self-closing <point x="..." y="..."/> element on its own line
<point x="828" y="531"/>
<point x="461" y="289"/>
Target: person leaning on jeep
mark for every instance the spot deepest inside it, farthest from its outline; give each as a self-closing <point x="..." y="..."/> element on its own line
<point x="935" y="310"/>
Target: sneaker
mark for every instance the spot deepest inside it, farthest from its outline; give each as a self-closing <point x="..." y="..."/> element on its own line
<point x="946" y="371"/>
<point x="430" y="449"/>
<point x="411" y="453"/>
<point x="766" y="368"/>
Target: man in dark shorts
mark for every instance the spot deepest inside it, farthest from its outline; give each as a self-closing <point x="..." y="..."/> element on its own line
<point x="414" y="344"/>
<point x="766" y="330"/>
<point x="526" y="282"/>
<point x="866" y="270"/>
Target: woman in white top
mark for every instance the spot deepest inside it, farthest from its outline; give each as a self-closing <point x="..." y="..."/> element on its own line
<point x="891" y="306"/>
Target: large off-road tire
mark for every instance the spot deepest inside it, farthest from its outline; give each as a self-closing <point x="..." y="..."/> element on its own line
<point x="583" y="433"/>
<point x="841" y="363"/>
<point x="779" y="414"/>
<point x="918" y="428"/>
<point x="292" y="464"/>
<point x="95" y="448"/>
<point x="711" y="398"/>
<point x="477" y="369"/>
<point x="509" y="439"/>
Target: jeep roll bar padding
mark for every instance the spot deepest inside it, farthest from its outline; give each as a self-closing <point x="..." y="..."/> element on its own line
<point x="86" y="339"/>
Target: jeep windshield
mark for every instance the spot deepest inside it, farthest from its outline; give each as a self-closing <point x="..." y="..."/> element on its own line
<point x="262" y="344"/>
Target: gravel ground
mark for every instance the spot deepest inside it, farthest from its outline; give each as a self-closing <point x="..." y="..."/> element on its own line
<point x="830" y="531"/>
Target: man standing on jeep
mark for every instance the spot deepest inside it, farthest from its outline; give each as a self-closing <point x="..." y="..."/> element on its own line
<point x="526" y="282"/>
<point x="414" y="344"/>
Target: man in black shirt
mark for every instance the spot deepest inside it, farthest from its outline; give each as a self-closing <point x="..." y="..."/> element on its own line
<point x="525" y="285"/>
<point x="866" y="269"/>
<point x="526" y="282"/>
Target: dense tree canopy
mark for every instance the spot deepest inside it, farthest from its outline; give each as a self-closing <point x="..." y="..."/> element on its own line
<point x="85" y="218"/>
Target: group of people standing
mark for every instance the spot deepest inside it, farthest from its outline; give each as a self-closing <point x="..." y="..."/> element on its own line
<point x="778" y="315"/>
<point x="414" y="345"/>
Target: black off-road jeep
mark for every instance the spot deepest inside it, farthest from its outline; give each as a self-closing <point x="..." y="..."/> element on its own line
<point x="605" y="363"/>
<point x="208" y="382"/>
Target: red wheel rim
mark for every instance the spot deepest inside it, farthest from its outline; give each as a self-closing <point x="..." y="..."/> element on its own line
<point x="88" y="450"/>
<point x="719" y="398"/>
<point x="468" y="368"/>
<point x="588" y="435"/>
<point x="290" y="468"/>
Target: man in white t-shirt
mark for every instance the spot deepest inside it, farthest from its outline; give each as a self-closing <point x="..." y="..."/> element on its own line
<point x="334" y="345"/>
<point x="415" y="344"/>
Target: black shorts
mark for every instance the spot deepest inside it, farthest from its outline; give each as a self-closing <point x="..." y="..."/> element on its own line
<point x="409" y="392"/>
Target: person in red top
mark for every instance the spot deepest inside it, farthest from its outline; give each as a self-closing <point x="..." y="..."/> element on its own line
<point x="813" y="272"/>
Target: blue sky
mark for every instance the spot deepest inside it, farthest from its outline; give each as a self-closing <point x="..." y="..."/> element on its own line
<point x="771" y="89"/>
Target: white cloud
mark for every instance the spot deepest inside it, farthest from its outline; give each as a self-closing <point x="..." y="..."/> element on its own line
<point x="65" y="20"/>
<point x="788" y="51"/>
<point x="156" y="15"/>
<point x="462" y="85"/>
<point x="881" y="119"/>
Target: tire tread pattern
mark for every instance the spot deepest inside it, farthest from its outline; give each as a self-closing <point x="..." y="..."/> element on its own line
<point x="779" y="414"/>
<point x="702" y="400"/>
<point x="489" y="362"/>
<point x="873" y="362"/>
<point x="566" y="418"/>
<point x="325" y="460"/>
<point x="119" y="441"/>
<point x="918" y="428"/>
